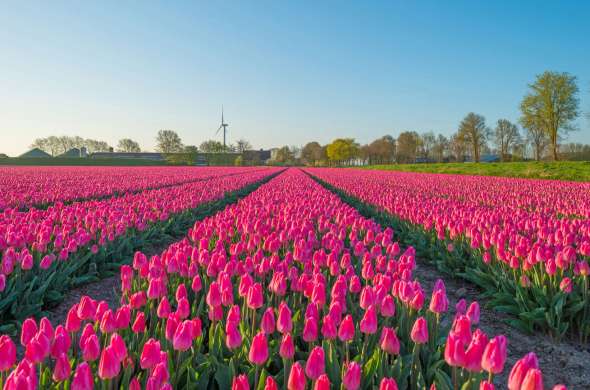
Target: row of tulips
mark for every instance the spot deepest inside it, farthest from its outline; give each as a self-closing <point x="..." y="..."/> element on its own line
<point x="526" y="242"/>
<point x="25" y="187"/>
<point x="41" y="249"/>
<point x="288" y="288"/>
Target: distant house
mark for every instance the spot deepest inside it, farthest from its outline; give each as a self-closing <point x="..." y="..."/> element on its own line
<point x="260" y="156"/>
<point x="126" y="155"/>
<point x="74" y="153"/>
<point x="35" y="153"/>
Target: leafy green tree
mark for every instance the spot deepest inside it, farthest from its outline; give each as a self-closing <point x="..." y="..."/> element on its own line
<point x="551" y="105"/>
<point x="474" y="131"/>
<point x="342" y="150"/>
<point x="168" y="141"/>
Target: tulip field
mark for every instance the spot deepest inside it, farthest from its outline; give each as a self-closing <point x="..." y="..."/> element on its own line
<point x="286" y="286"/>
<point x="525" y="242"/>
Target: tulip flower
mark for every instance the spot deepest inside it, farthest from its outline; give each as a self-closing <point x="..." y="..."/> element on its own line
<point x="389" y="341"/>
<point x="183" y="336"/>
<point x="150" y="355"/>
<point x="296" y="378"/>
<point x="323" y="383"/>
<point x="388" y="384"/>
<point x="83" y="379"/>
<point x="240" y="383"/>
<point x="7" y="353"/>
<point x="533" y="380"/>
<point x="346" y="329"/>
<point x="258" y="353"/>
<point x="419" y="332"/>
<point x="316" y="363"/>
<point x="368" y="324"/>
<point x="270" y="384"/>
<point x="520" y="369"/>
<point x="109" y="365"/>
<point x="287" y="348"/>
<point x="494" y="355"/>
<point x="62" y="369"/>
<point x="352" y="376"/>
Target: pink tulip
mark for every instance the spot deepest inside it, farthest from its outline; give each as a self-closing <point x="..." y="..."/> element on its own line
<point x="419" y="332"/>
<point x="389" y="341"/>
<point x="346" y="329"/>
<point x="296" y="378"/>
<point x="494" y="355"/>
<point x="323" y="383"/>
<point x="316" y="363"/>
<point x="258" y="350"/>
<point x="183" y="336"/>
<point x="388" y="384"/>
<point x="240" y="383"/>
<point x="352" y="376"/>
<point x="287" y="348"/>
<point x="150" y="355"/>
<point x="83" y="379"/>
<point x="7" y="353"/>
<point x="533" y="380"/>
<point x="62" y="369"/>
<point x="109" y="365"/>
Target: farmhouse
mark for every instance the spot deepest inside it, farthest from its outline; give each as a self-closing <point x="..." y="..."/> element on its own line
<point x="35" y="153"/>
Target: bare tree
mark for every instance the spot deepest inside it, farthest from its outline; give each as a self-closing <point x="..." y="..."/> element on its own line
<point x="474" y="131"/>
<point x="242" y="145"/>
<point x="506" y="136"/>
<point x="128" y="145"/>
<point x="537" y="137"/>
<point x="168" y="141"/>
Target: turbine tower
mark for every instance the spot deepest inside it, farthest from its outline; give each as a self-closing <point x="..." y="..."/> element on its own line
<point x="224" y="127"/>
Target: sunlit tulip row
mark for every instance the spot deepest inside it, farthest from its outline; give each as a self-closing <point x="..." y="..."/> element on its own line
<point x="288" y="288"/>
<point x="530" y="238"/>
<point x="23" y="187"/>
<point x="41" y="242"/>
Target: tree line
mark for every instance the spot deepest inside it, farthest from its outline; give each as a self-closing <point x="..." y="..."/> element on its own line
<point x="548" y="111"/>
<point x="167" y="141"/>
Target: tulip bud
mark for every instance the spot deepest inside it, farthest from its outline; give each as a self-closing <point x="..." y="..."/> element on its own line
<point x="346" y="329"/>
<point x="240" y="383"/>
<point x="287" y="348"/>
<point x="62" y="369"/>
<point x="494" y="355"/>
<point x="419" y="332"/>
<point x="388" y="383"/>
<point x="296" y="378"/>
<point x="83" y="379"/>
<point x="258" y="350"/>
<point x="316" y="364"/>
<point x="109" y="365"/>
<point x="323" y="383"/>
<point x="7" y="353"/>
<point x="352" y="376"/>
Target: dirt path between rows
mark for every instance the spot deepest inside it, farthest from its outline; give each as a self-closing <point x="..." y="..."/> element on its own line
<point x="566" y="362"/>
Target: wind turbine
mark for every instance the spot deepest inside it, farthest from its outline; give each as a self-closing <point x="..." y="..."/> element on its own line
<point x="224" y="127"/>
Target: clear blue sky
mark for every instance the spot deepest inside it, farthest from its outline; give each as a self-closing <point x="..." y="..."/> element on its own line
<point x="286" y="73"/>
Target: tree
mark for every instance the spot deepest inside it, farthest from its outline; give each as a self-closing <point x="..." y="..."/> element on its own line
<point x="380" y="151"/>
<point x="407" y="147"/>
<point x="506" y="136"/>
<point x="93" y="146"/>
<point x="537" y="137"/>
<point x="191" y="149"/>
<point x="458" y="147"/>
<point x="342" y="150"/>
<point x="440" y="148"/>
<point x="242" y="145"/>
<point x="211" y="146"/>
<point x="551" y="106"/>
<point x="168" y="141"/>
<point x="474" y="131"/>
<point x="312" y="153"/>
<point x="428" y="141"/>
<point x="128" y="145"/>
<point x="41" y="143"/>
<point x="284" y="156"/>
